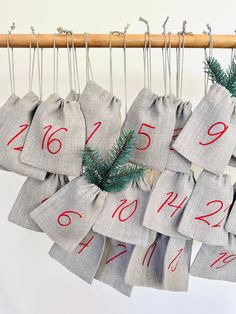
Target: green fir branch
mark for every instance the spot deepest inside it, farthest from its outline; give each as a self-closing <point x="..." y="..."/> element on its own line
<point x="214" y="71"/>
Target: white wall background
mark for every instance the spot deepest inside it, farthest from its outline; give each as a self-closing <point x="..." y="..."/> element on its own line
<point x="30" y="281"/>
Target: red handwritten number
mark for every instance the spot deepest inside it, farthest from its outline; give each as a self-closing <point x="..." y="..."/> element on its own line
<point x="97" y="126"/>
<point x="174" y="263"/>
<point x="119" y="254"/>
<point x="51" y="140"/>
<point x="84" y="245"/>
<point x="219" y="209"/>
<point x="225" y="258"/>
<point x="217" y="135"/>
<point x="150" y="252"/>
<point x="121" y="208"/>
<point x="66" y="215"/>
<point x="170" y="203"/>
<point x="146" y="135"/>
<point x="23" y="128"/>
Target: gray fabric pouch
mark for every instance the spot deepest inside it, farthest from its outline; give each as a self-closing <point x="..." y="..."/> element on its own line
<point x="122" y="215"/>
<point x="56" y="136"/>
<point x="102" y="117"/>
<point x="32" y="194"/>
<point x="208" y="207"/>
<point x="69" y="214"/>
<point x="85" y="259"/>
<point x="230" y="225"/>
<point x="114" y="265"/>
<point x="168" y="201"/>
<point x="216" y="262"/>
<point x="152" y="118"/>
<point x="13" y="134"/>
<point x="177" y="162"/>
<point x="5" y="109"/>
<point x="208" y="138"/>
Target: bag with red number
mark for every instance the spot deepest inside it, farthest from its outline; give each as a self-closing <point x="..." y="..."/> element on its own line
<point x="177" y="162"/>
<point x="102" y="117"/>
<point x="208" y="138"/>
<point x="163" y="265"/>
<point x="85" y="259"/>
<point x="114" y="265"/>
<point x="168" y="201"/>
<point x="56" y="137"/>
<point x="13" y="134"/>
<point x="152" y="118"/>
<point x="207" y="209"/>
<point x="5" y="110"/>
<point x="122" y="215"/>
<point x="32" y="194"/>
<point x="216" y="262"/>
<point x="69" y="214"/>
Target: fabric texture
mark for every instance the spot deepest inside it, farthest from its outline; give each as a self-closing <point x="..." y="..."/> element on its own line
<point x="32" y="194"/>
<point x="152" y="118"/>
<point x="69" y="214"/>
<point x="56" y="136"/>
<point x="208" y="138"/>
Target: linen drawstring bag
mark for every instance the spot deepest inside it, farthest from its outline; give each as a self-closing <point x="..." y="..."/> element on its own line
<point x="101" y="111"/>
<point x="216" y="262"/>
<point x="85" y="259"/>
<point x="230" y="225"/>
<point x="208" y="138"/>
<point x="122" y="215"/>
<point x="69" y="214"/>
<point x="56" y="137"/>
<point x="114" y="264"/>
<point x="168" y="201"/>
<point x="146" y="264"/>
<point x="177" y="162"/>
<point x="15" y="129"/>
<point x="207" y="209"/>
<point x="32" y="194"/>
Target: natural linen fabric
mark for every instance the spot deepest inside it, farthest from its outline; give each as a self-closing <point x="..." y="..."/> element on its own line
<point x="177" y="162"/>
<point x="206" y="212"/>
<point x="32" y="194"/>
<point x="168" y="201"/>
<point x="5" y="110"/>
<point x="113" y="267"/>
<point x="163" y="265"/>
<point x="152" y="118"/>
<point x="102" y="117"/>
<point x="69" y="214"/>
<point x="85" y="259"/>
<point x="230" y="224"/>
<point x="122" y="215"/>
<point x="216" y="262"/>
<point x="208" y="138"/>
<point x="13" y="134"/>
<point x="56" y="136"/>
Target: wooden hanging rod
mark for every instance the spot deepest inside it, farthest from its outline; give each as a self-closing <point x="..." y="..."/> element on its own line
<point x="102" y="40"/>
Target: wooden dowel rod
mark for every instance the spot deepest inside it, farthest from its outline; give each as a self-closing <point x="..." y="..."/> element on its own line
<point x="102" y="40"/>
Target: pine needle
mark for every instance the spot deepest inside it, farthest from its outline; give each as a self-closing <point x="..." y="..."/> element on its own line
<point x="214" y="71"/>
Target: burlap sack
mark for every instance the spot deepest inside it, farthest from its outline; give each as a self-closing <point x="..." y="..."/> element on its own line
<point x="153" y="120"/>
<point x="85" y="259"/>
<point x="216" y="262"/>
<point x="13" y="134"/>
<point x="102" y="117"/>
<point x="177" y="162"/>
<point x="69" y="215"/>
<point x="168" y="201"/>
<point x="208" y="138"/>
<point x="122" y="215"/>
<point x="32" y="194"/>
<point x="56" y="137"/>
<point x="205" y="214"/>
<point x="114" y="265"/>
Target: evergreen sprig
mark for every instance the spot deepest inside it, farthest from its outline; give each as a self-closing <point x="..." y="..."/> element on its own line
<point x="217" y="75"/>
<point x="114" y="173"/>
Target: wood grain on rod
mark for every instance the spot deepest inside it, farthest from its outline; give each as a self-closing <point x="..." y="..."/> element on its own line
<point x="102" y="40"/>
